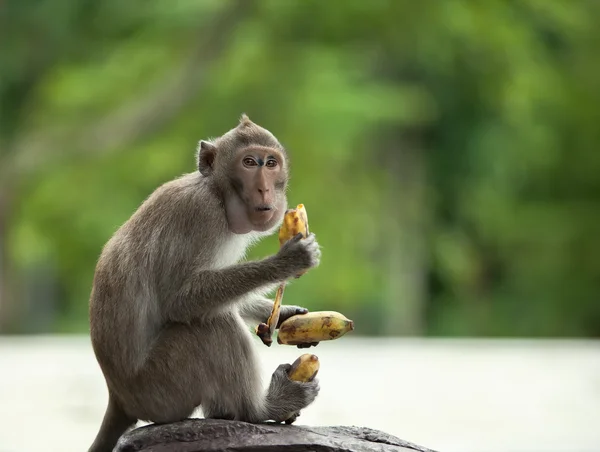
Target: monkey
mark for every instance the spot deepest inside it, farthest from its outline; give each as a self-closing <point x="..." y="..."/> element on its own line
<point x="172" y="294"/>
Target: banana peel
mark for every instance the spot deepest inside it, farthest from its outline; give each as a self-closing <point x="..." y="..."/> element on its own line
<point x="317" y="326"/>
<point x="265" y="330"/>
<point x="295" y="221"/>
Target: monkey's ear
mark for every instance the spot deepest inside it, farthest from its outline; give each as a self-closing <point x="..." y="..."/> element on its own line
<point x="206" y="157"/>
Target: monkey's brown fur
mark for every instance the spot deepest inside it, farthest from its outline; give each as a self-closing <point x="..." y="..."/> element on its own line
<point x="170" y="297"/>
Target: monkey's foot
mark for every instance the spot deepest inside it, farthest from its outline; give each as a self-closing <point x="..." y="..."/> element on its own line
<point x="292" y="418"/>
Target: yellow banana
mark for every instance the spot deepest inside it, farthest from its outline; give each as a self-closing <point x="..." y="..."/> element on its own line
<point x="295" y="221"/>
<point x="305" y="368"/>
<point x="313" y="327"/>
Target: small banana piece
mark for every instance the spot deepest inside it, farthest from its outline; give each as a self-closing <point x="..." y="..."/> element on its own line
<point x="305" y="368"/>
<point x="313" y="327"/>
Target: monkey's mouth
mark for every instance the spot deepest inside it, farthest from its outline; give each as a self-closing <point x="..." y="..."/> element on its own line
<point x="261" y="215"/>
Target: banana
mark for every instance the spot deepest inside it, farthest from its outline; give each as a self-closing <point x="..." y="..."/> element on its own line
<point x="295" y="221"/>
<point x="305" y="368"/>
<point x="265" y="330"/>
<point x="313" y="327"/>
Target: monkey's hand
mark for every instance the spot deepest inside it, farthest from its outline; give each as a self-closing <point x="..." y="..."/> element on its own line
<point x="288" y="311"/>
<point x="299" y="254"/>
<point x="286" y="398"/>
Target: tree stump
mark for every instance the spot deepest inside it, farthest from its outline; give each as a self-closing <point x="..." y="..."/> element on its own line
<point x="213" y="435"/>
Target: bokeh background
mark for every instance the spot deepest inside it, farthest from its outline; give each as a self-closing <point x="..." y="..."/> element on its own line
<point x="446" y="152"/>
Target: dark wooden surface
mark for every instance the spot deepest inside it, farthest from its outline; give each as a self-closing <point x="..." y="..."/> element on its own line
<point x="210" y="435"/>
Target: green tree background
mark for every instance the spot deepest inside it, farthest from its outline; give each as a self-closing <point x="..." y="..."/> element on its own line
<point x="445" y="150"/>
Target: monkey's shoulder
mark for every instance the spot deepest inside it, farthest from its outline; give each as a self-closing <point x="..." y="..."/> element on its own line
<point x="181" y="210"/>
<point x="188" y="201"/>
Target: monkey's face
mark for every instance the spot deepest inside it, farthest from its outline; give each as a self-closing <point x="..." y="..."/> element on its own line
<point x="258" y="178"/>
<point x="250" y="168"/>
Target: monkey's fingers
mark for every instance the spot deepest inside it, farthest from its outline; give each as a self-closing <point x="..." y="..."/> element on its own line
<point x="308" y="345"/>
<point x="287" y="313"/>
<point x="264" y="333"/>
<point x="296" y="238"/>
<point x="292" y="418"/>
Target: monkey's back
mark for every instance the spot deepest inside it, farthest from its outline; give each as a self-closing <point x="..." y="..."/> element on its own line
<point x="142" y="266"/>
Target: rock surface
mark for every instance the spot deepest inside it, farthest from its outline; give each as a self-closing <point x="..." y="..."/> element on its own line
<point x="211" y="435"/>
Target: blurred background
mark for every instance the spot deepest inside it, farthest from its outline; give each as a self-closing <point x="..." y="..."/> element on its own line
<point x="444" y="152"/>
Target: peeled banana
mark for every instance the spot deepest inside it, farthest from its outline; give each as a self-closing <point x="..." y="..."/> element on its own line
<point x="305" y="368"/>
<point x="295" y="221"/>
<point x="313" y="327"/>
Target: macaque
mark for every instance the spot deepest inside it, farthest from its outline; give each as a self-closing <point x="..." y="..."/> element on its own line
<point x="171" y="294"/>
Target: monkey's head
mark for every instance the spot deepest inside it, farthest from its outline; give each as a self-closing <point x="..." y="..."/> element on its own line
<point x="249" y="167"/>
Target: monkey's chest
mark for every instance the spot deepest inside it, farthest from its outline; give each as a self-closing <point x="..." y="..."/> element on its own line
<point x="230" y="250"/>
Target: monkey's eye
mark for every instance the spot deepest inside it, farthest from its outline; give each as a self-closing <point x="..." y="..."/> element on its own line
<point x="271" y="163"/>
<point x="249" y="161"/>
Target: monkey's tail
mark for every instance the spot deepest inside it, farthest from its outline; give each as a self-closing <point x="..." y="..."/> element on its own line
<point x="114" y="424"/>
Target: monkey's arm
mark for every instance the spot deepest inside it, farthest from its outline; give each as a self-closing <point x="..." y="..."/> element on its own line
<point x="258" y="309"/>
<point x="208" y="290"/>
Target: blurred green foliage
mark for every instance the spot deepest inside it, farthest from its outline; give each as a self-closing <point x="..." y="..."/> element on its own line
<point x="444" y="150"/>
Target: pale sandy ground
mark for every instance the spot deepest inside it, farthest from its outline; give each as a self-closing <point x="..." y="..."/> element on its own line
<point x="468" y="396"/>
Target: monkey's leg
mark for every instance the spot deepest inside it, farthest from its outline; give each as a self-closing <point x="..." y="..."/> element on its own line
<point x="203" y="363"/>
<point x="169" y="385"/>
<point x="114" y="424"/>
<point x="211" y="364"/>
<point x="239" y="393"/>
